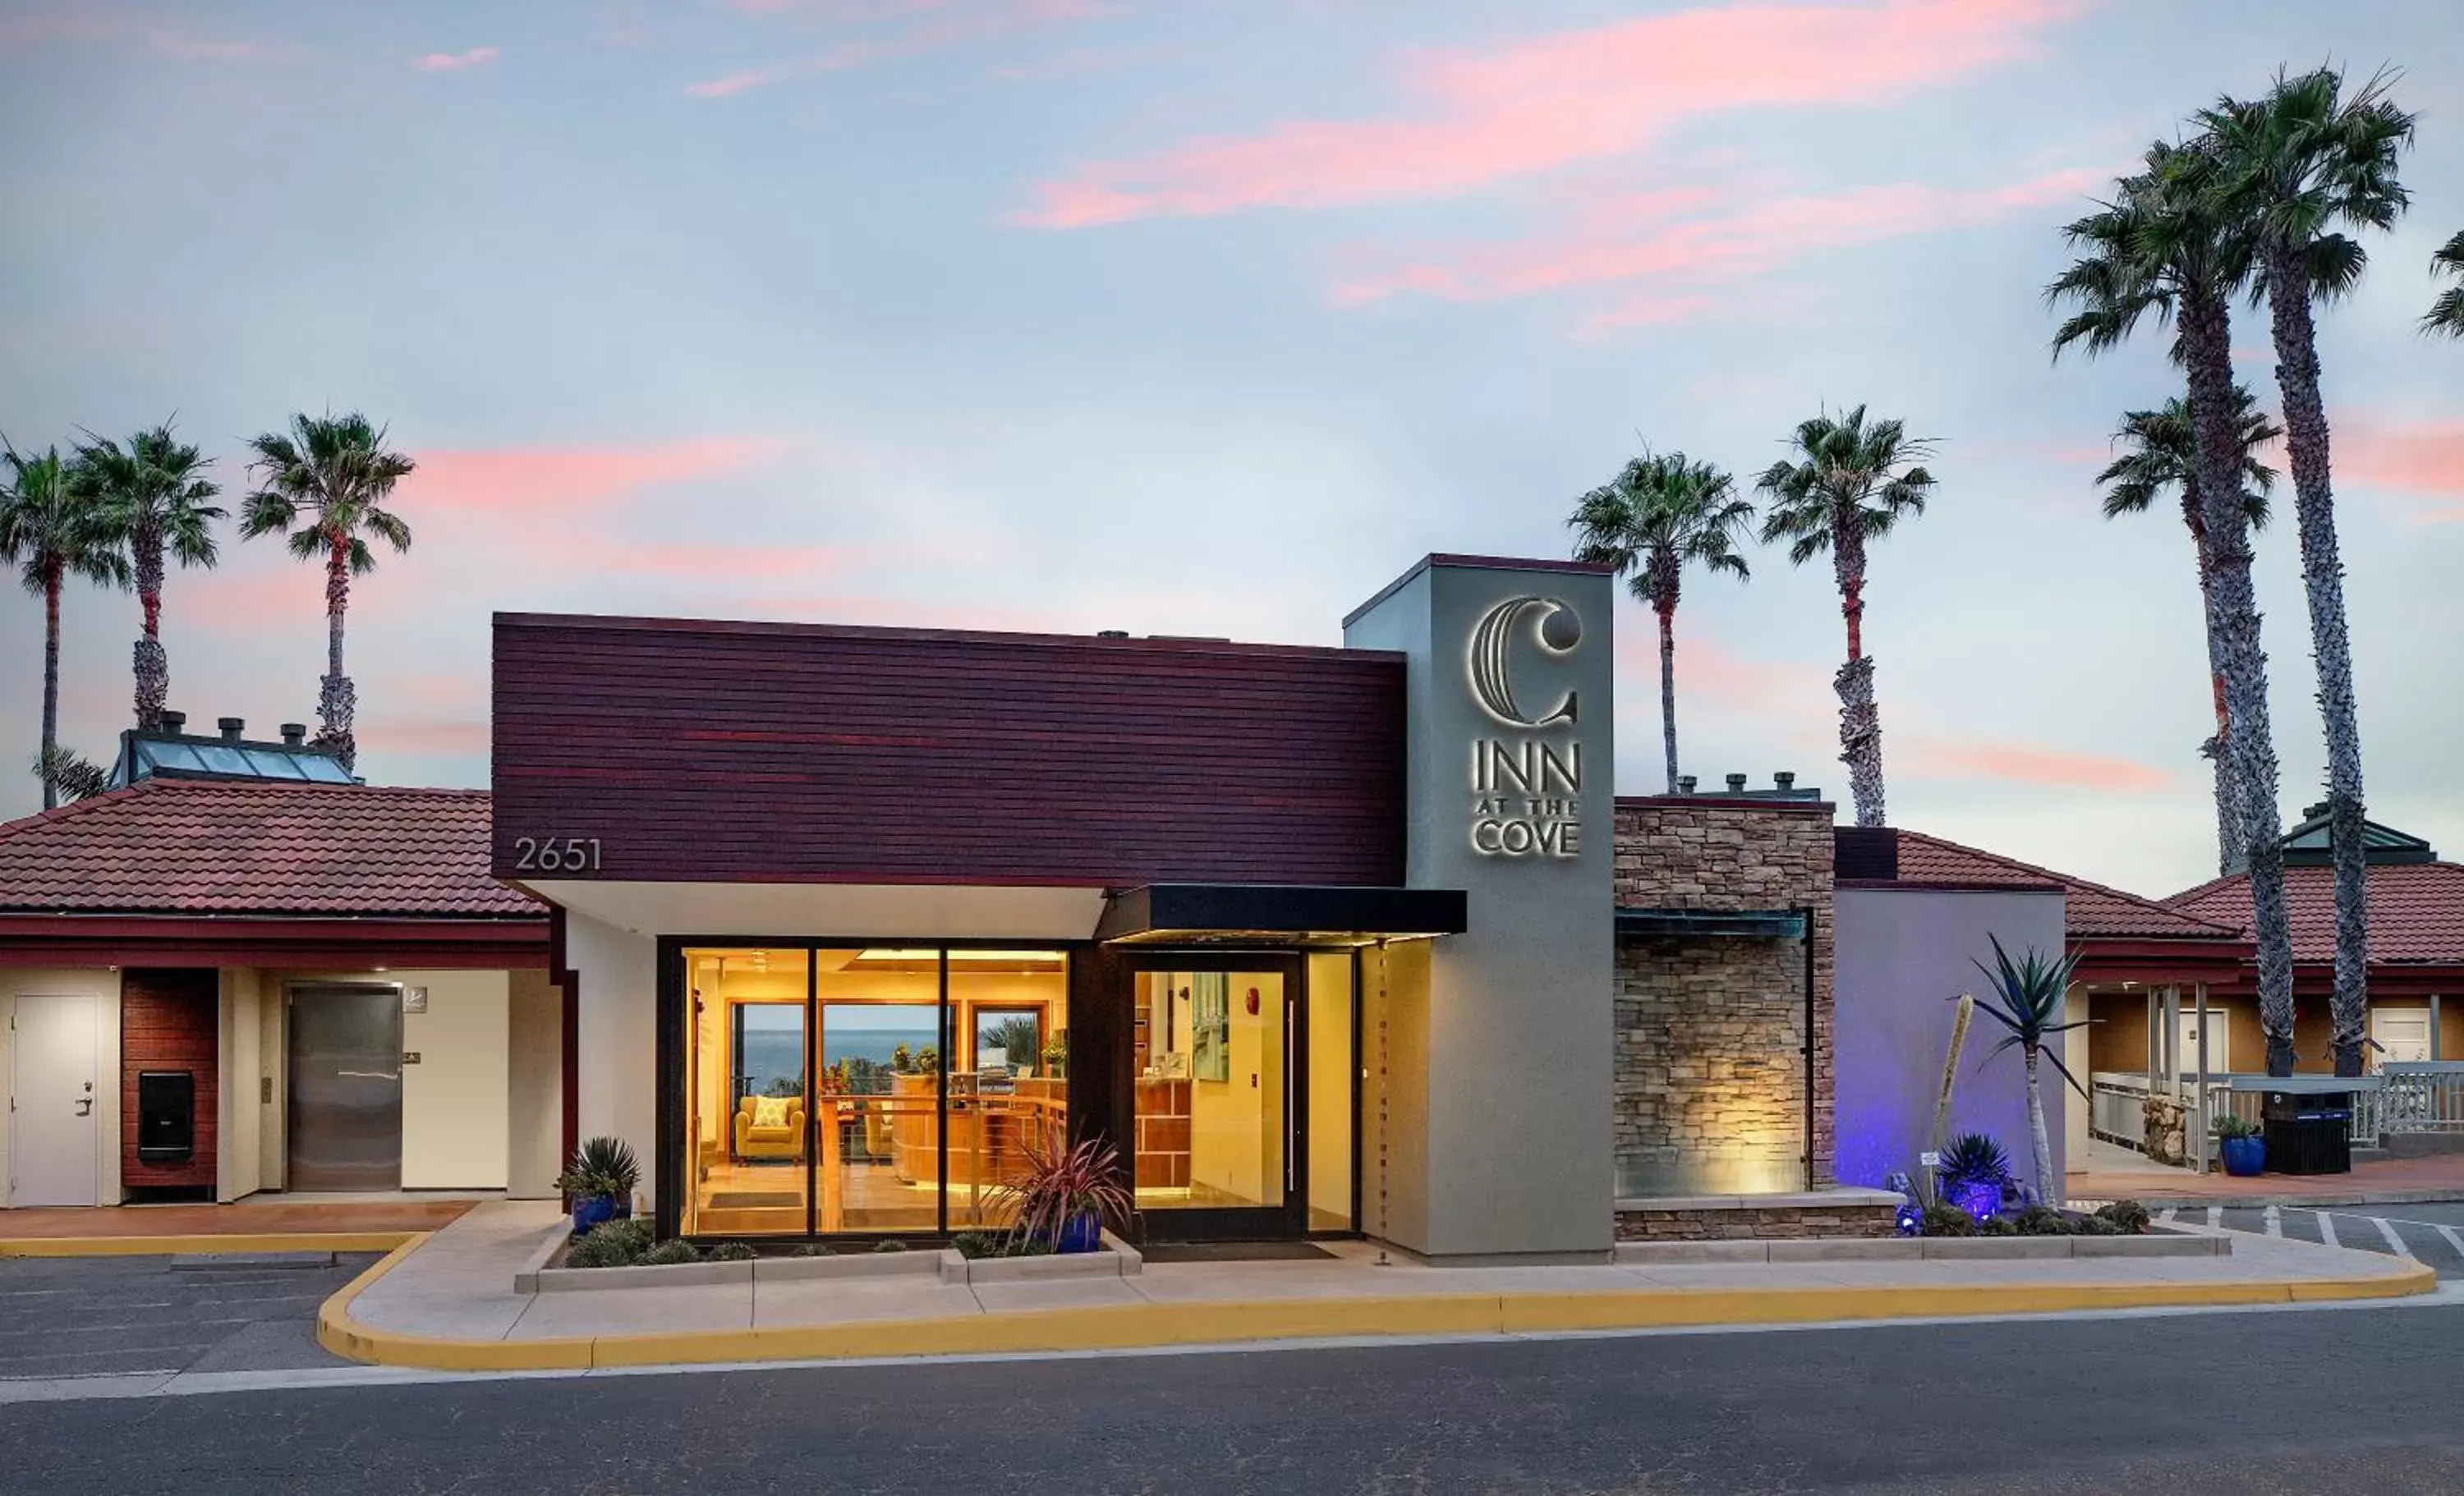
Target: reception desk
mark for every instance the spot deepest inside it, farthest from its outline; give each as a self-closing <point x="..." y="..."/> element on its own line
<point x="988" y="1129"/>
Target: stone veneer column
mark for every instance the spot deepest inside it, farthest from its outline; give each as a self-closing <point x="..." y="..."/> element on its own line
<point x="1710" y="1092"/>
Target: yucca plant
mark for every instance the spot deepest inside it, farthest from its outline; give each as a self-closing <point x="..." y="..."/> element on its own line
<point x="2026" y="998"/>
<point x="1975" y="1171"/>
<point x="1064" y="1184"/>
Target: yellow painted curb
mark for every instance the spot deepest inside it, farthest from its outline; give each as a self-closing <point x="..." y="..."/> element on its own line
<point x="1224" y="1321"/>
<point x="205" y="1243"/>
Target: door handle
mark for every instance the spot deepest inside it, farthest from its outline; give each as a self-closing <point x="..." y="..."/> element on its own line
<point x="85" y="1105"/>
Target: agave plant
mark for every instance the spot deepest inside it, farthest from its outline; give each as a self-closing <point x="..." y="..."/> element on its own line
<point x="1973" y="1173"/>
<point x="2026" y="998"/>
<point x="1065" y="1183"/>
<point x="602" y="1167"/>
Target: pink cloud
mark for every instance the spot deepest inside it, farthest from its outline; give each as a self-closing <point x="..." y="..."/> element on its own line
<point x="562" y="478"/>
<point x="2023" y="764"/>
<point x="1479" y="116"/>
<point x="36" y="29"/>
<point x="454" y="62"/>
<point x="2426" y="459"/>
<point x="1713" y="248"/>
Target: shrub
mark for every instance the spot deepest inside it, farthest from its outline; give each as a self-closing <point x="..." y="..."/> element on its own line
<point x="615" y="1244"/>
<point x="672" y="1254"/>
<point x="2098" y="1225"/>
<point x="890" y="1246"/>
<point x="1974" y="1158"/>
<point x="1947" y="1221"/>
<point x="2043" y="1220"/>
<point x="815" y="1250"/>
<point x="1997" y="1225"/>
<point x="2227" y="1125"/>
<point x="731" y="1252"/>
<point x="2130" y="1216"/>
<point x="975" y="1244"/>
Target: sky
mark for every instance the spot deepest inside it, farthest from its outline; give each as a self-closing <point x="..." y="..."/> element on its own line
<point x="1210" y="318"/>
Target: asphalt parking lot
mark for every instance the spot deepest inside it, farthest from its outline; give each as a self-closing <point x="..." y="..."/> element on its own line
<point x="95" y="1316"/>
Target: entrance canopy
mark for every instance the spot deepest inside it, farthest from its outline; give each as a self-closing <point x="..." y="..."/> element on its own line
<point x="1266" y="914"/>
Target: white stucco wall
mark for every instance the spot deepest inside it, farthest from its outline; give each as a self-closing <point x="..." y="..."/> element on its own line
<point x="534" y="1118"/>
<point x="618" y="1037"/>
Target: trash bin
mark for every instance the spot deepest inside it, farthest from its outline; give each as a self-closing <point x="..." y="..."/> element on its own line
<point x="2309" y="1133"/>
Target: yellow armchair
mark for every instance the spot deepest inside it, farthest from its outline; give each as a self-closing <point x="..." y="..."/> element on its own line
<point x="777" y="1139"/>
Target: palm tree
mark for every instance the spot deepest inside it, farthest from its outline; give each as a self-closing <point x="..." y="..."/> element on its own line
<point x="1661" y="513"/>
<point x="2160" y="248"/>
<point x="2447" y="314"/>
<point x="2297" y="165"/>
<point x="153" y="500"/>
<point x="1852" y="486"/>
<point x="326" y="481"/>
<point x="2159" y="452"/>
<point x="2026" y="998"/>
<point x="48" y="526"/>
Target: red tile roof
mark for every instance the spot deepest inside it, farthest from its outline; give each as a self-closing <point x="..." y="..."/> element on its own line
<point x="2416" y="910"/>
<point x="186" y="847"/>
<point x="2089" y="908"/>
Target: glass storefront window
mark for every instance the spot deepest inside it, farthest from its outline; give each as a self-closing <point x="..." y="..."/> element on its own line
<point x="885" y="1090"/>
<point x="1211" y="1076"/>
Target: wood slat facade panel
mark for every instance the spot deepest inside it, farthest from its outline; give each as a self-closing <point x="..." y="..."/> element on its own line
<point x="699" y="752"/>
<point x="170" y="1020"/>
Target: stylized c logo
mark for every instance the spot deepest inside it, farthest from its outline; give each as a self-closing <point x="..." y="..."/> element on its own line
<point x="1492" y="640"/>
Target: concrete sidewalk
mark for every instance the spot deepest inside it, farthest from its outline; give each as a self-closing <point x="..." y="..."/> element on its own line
<point x="2381" y="1181"/>
<point x="260" y="1224"/>
<point x="447" y="1301"/>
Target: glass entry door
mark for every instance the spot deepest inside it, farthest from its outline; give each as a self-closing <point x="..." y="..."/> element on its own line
<point x="1218" y="1047"/>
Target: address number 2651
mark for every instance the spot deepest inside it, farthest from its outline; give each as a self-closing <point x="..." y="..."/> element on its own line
<point x="556" y="854"/>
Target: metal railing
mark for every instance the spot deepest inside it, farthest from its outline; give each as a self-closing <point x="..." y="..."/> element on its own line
<point x="2422" y="1096"/>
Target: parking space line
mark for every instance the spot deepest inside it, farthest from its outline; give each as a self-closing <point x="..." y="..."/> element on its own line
<point x="2395" y="1242"/>
<point x="2215" y="1216"/>
<point x="2274" y="1220"/>
<point x="2326" y="1228"/>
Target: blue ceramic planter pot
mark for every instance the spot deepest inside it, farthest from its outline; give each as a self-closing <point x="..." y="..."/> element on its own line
<point x="596" y="1210"/>
<point x="1082" y="1233"/>
<point x="1980" y="1199"/>
<point x="2244" y="1157"/>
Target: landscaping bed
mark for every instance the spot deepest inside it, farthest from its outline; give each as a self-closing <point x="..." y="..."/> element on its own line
<point x="621" y="1255"/>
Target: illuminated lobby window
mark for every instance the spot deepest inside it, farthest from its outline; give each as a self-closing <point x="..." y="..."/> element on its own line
<point x="872" y="1090"/>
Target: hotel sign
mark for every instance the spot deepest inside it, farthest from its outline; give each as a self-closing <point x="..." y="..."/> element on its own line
<point x="1527" y="771"/>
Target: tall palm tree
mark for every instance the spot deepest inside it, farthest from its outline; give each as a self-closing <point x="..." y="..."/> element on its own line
<point x="2446" y="315"/>
<point x="48" y="526"/>
<point x="2300" y="164"/>
<point x="325" y="482"/>
<point x="1852" y="485"/>
<point x="2159" y="248"/>
<point x="154" y="499"/>
<point x="1660" y="514"/>
<point x="2159" y="452"/>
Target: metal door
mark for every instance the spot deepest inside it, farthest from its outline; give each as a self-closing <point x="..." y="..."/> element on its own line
<point x="54" y="1138"/>
<point x="345" y="1121"/>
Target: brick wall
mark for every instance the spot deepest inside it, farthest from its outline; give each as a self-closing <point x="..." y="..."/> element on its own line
<point x="1724" y="1225"/>
<point x="1710" y="1088"/>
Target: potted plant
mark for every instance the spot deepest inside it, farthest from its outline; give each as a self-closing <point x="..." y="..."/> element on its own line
<point x="1973" y="1173"/>
<point x="2243" y="1144"/>
<point x="1056" y="1058"/>
<point x="600" y="1182"/>
<point x="1065" y="1193"/>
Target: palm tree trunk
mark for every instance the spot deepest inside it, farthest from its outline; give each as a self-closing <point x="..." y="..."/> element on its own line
<point x="1861" y="720"/>
<point x="335" y="699"/>
<point x="48" y="763"/>
<point x="2323" y="579"/>
<point x="2048" y="1187"/>
<point x="152" y="668"/>
<point x="2207" y="347"/>
<point x="2217" y="749"/>
<point x="1668" y="689"/>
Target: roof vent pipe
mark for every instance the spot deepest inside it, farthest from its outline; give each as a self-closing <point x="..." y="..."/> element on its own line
<point x="295" y="735"/>
<point x="1785" y="778"/>
<point x="1685" y="783"/>
<point x="1111" y="633"/>
<point x="232" y="726"/>
<point x="1736" y="783"/>
<point x="175" y="722"/>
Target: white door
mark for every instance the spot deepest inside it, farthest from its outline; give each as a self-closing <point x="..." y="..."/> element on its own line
<point x="2403" y="1034"/>
<point x="54" y="1137"/>
<point x="2219" y="1042"/>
